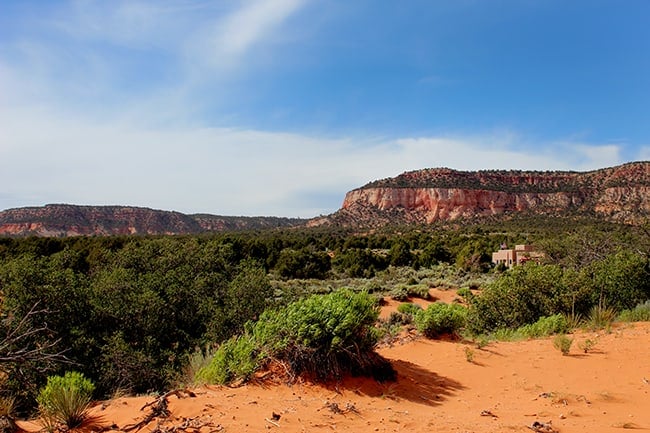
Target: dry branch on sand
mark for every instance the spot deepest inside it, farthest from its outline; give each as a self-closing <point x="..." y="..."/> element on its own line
<point x="159" y="409"/>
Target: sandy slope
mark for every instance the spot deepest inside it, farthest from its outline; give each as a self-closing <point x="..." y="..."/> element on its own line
<point x="506" y="388"/>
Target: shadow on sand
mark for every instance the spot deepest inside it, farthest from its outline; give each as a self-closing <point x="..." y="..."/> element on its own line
<point x="413" y="383"/>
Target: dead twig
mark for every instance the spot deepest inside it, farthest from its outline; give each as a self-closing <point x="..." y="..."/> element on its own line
<point x="158" y="409"/>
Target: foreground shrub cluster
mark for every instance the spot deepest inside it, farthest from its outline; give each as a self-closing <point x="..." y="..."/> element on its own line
<point x="323" y="337"/>
<point x="526" y="293"/>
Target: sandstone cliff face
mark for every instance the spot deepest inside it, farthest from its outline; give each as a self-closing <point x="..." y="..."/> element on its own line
<point x="433" y="204"/>
<point x="620" y="194"/>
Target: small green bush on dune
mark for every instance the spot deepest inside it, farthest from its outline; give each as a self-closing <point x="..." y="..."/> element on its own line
<point x="322" y="336"/>
<point x="66" y="399"/>
<point x="439" y="319"/>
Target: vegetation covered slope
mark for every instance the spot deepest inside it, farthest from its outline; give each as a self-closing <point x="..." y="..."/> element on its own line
<point x="74" y="220"/>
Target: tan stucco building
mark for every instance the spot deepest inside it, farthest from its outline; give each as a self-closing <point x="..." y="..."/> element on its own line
<point x="512" y="257"/>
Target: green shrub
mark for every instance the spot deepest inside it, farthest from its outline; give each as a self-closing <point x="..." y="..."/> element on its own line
<point x="439" y="319"/>
<point x="399" y="293"/>
<point x="545" y="326"/>
<point x="409" y="308"/>
<point x="640" y="313"/>
<point x="466" y="294"/>
<point x="66" y="399"/>
<point x="563" y="343"/>
<point x="587" y="345"/>
<point x="402" y="292"/>
<point x="322" y="336"/>
<point x="620" y="280"/>
<point x="419" y="291"/>
<point x="519" y="297"/>
<point x="234" y="359"/>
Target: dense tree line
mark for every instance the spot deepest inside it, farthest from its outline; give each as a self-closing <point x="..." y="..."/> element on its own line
<point x="128" y="312"/>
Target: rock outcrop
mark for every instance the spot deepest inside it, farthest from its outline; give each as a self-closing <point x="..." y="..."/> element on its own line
<point x="72" y="220"/>
<point x="620" y="194"/>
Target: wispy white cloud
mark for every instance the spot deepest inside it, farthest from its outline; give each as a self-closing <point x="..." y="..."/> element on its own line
<point x="52" y="158"/>
<point x="247" y="26"/>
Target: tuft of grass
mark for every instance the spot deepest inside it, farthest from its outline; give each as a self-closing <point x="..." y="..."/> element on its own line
<point x="469" y="355"/>
<point x="65" y="400"/>
<point x="7" y="406"/>
<point x="587" y="345"/>
<point x="563" y="343"/>
<point x="197" y="361"/>
<point x="573" y="320"/>
<point x="601" y="317"/>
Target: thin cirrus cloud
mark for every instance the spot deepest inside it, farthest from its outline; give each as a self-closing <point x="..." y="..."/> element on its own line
<point x="242" y="29"/>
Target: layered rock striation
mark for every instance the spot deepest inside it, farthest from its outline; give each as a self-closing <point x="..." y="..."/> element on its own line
<point x="620" y="194"/>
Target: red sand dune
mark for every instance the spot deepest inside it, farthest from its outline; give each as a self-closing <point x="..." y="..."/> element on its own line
<point x="507" y="387"/>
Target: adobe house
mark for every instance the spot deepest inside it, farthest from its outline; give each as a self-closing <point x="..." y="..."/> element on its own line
<point x="512" y="257"/>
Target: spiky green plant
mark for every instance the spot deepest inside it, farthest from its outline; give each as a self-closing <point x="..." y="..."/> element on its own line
<point x="66" y="400"/>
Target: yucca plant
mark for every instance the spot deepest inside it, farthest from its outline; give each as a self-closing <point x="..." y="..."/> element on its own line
<point x="601" y="317"/>
<point x="65" y="400"/>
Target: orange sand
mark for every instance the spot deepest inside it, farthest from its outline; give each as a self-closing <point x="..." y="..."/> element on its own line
<point x="506" y="388"/>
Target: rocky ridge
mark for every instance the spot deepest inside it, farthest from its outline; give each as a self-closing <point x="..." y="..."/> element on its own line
<point x="71" y="220"/>
<point x="619" y="194"/>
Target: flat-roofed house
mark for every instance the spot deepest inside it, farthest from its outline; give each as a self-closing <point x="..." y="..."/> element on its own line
<point x="514" y="256"/>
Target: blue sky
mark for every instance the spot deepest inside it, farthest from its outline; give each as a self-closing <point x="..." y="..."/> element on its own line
<point x="279" y="107"/>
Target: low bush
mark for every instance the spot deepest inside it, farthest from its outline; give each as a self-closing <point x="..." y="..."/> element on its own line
<point x="66" y="399"/>
<point x="439" y="319"/>
<point x="563" y="343"/>
<point x="545" y="326"/>
<point x="640" y="313"/>
<point x="419" y="291"/>
<point x="466" y="294"/>
<point x="587" y="345"/>
<point x="322" y="336"/>
<point x="399" y="293"/>
<point x="234" y="359"/>
<point x="402" y="292"/>
<point x="409" y="308"/>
